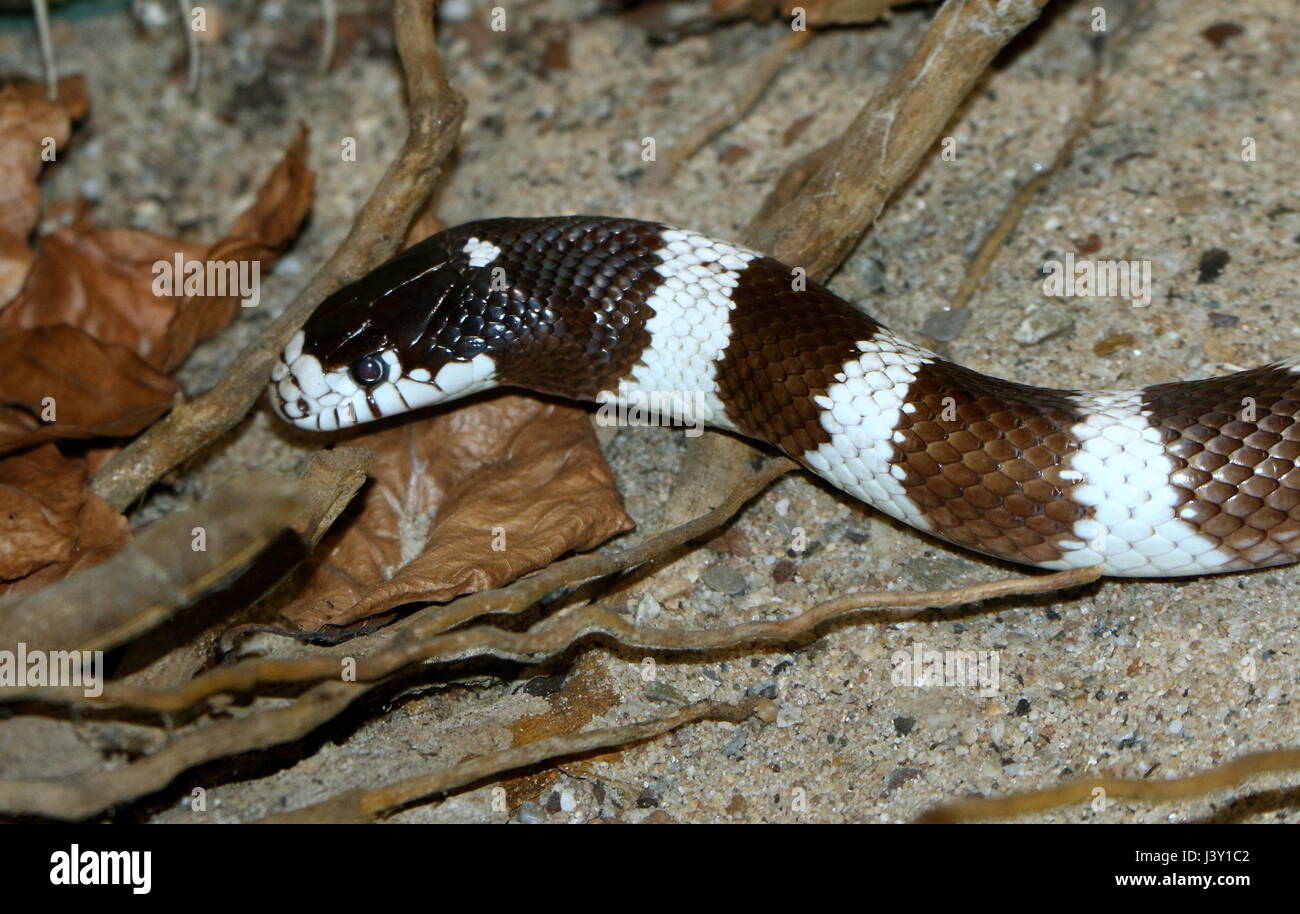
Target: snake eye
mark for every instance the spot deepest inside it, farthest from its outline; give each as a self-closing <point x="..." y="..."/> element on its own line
<point x="369" y="370"/>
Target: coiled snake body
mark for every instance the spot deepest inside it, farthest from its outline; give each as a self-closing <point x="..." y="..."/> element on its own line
<point x="1172" y="479"/>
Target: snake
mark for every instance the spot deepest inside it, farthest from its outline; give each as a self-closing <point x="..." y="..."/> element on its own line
<point x="1174" y="479"/>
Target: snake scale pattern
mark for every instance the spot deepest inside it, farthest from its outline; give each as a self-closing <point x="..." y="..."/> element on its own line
<point x="1171" y="479"/>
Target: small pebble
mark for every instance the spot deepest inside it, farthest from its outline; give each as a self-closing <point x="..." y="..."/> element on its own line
<point x="724" y="579"/>
<point x="737" y="743"/>
<point x="663" y="693"/>
<point x="900" y="776"/>
<point x="647" y="609"/>
<point x="1212" y="263"/>
<point x="529" y="813"/>
<point x="1042" y="322"/>
<point x="789" y="716"/>
<point x="873" y="275"/>
<point x="945" y="326"/>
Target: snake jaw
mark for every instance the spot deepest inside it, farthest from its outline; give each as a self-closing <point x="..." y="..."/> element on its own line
<point x="312" y="396"/>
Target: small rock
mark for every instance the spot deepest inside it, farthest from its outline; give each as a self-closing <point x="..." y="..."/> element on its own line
<point x="724" y="579"/>
<point x="873" y="275"/>
<point x="945" y="326"/>
<point x="647" y="799"/>
<point x="783" y="571"/>
<point x="1042" y="322"/>
<point x="647" y="609"/>
<point x="541" y="686"/>
<point x="737" y="743"/>
<point x="529" y="813"/>
<point x="1212" y="263"/>
<point x="904" y="725"/>
<point x="1113" y="343"/>
<point x="900" y="776"/>
<point x="732" y="542"/>
<point x="663" y="693"/>
<point x="1220" y="320"/>
<point x="789" y="716"/>
<point x="568" y="802"/>
<point x="1220" y="32"/>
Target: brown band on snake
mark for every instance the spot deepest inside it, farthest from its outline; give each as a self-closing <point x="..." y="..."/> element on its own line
<point x="1238" y="477"/>
<point x="787" y="344"/>
<point x="983" y="459"/>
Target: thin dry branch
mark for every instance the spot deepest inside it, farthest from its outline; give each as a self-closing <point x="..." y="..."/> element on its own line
<point x="436" y="111"/>
<point x="890" y="136"/>
<point x="1222" y="777"/>
<point x="393" y="641"/>
<point x="80" y="798"/>
<point x="367" y="805"/>
<point x="92" y="794"/>
<point x="165" y="568"/>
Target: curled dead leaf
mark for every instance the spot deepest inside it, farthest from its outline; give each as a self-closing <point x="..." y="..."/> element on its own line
<point x="100" y="280"/>
<point x="32" y="127"/>
<point x="50" y="523"/>
<point x="58" y="382"/>
<point x="463" y="501"/>
<point x="259" y="235"/>
<point x="106" y="281"/>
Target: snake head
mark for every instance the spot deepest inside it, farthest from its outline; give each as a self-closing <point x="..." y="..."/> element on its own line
<point x="390" y="342"/>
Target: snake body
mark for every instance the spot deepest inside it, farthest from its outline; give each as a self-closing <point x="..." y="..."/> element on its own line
<point x="1171" y="479"/>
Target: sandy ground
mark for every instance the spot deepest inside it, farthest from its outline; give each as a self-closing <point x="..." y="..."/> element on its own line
<point x="1131" y="678"/>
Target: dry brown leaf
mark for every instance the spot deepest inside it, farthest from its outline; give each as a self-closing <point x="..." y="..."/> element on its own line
<point x="512" y="472"/>
<point x="100" y="280"/>
<point x="260" y="234"/>
<point x="50" y="523"/>
<point x="94" y="389"/>
<point x="27" y="120"/>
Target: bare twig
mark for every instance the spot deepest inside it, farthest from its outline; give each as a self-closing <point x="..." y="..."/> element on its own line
<point x="394" y="641"/>
<point x="90" y="795"/>
<point x="1229" y="774"/>
<point x="436" y="111"/>
<point x="365" y="805"/>
<point x="86" y="796"/>
<point x="165" y="568"/>
<point x="1020" y="200"/>
<point x="193" y="52"/>
<point x="890" y="136"/>
<point x="42" y="10"/>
